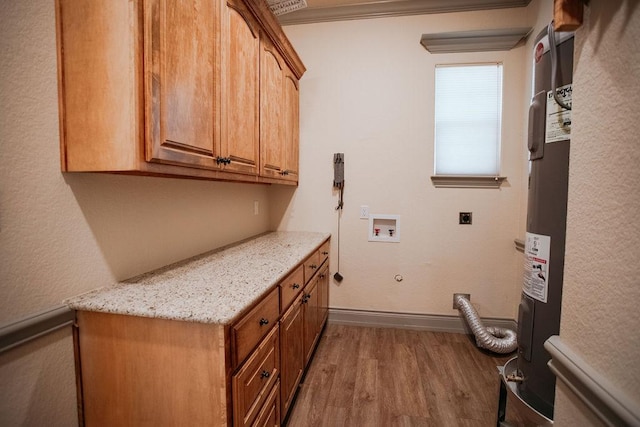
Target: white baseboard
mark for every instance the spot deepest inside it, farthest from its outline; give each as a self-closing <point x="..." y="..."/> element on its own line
<point x="426" y="322"/>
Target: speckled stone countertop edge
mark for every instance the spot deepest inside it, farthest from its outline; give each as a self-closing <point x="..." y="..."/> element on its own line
<point x="214" y="287"/>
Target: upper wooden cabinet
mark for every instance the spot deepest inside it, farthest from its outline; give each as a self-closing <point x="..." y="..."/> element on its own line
<point x="271" y="110"/>
<point x="279" y="117"/>
<point x="181" y="86"/>
<point x="291" y="130"/>
<point x="174" y="88"/>
<point x="240" y="147"/>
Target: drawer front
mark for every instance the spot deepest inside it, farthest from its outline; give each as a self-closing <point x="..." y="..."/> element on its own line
<point x="291" y="287"/>
<point x="323" y="252"/>
<point x="256" y="324"/>
<point x="270" y="413"/>
<point x="311" y="266"/>
<point x="315" y="260"/>
<point x="255" y="380"/>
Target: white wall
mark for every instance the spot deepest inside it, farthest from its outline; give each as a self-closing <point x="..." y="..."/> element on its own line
<point x="64" y="234"/>
<point x="368" y="92"/>
<point x="600" y="316"/>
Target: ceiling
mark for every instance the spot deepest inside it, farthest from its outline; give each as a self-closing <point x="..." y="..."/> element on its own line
<point x="339" y="10"/>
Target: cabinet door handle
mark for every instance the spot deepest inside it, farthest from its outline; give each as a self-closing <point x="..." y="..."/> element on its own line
<point x="305" y="298"/>
<point x="265" y="374"/>
<point x="295" y="286"/>
<point x="325" y="253"/>
<point x="321" y="276"/>
<point x="264" y="321"/>
<point x="313" y="266"/>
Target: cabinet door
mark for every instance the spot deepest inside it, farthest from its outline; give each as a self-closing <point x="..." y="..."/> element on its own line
<point x="291" y="127"/>
<point x="271" y="111"/>
<point x="181" y="58"/>
<point x="291" y="353"/>
<point x="323" y="296"/>
<point x="310" y="312"/>
<point x="239" y="147"/>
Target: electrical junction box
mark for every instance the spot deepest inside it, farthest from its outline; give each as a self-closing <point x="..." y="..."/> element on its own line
<point x="466" y="218"/>
<point x="384" y="228"/>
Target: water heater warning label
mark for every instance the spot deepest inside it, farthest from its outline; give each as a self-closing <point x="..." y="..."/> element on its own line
<point x="558" y="127"/>
<point x="536" y="266"/>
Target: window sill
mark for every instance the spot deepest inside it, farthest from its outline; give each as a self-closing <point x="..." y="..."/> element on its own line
<point x="467" y="181"/>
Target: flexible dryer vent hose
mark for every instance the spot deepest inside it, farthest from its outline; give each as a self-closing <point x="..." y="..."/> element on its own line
<point x="498" y="340"/>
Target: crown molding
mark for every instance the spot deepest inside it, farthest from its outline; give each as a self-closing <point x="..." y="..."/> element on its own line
<point x="387" y="8"/>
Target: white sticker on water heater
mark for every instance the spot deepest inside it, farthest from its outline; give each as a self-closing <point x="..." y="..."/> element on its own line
<point x="558" y="127"/>
<point x="537" y="248"/>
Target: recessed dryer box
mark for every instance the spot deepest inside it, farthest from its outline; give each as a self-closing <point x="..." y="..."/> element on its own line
<point x="384" y="228"/>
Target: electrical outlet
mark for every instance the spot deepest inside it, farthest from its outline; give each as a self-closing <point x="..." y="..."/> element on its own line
<point x="467" y="296"/>
<point x="364" y="212"/>
<point x="466" y="217"/>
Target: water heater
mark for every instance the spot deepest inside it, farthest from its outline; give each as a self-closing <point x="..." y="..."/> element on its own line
<point x="548" y="143"/>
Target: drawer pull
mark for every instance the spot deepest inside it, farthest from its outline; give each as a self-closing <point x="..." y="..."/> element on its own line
<point x="325" y="253"/>
<point x="295" y="286"/>
<point x="265" y="374"/>
<point x="313" y="266"/>
<point x="321" y="276"/>
<point x="264" y="321"/>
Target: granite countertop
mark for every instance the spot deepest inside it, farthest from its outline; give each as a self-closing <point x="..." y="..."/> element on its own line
<point x="211" y="288"/>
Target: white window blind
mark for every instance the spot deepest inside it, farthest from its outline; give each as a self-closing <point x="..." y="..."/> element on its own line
<point x="468" y="105"/>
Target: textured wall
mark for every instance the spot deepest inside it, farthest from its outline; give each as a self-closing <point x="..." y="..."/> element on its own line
<point x="368" y="93"/>
<point x="61" y="235"/>
<point x="600" y="318"/>
<point x="38" y="383"/>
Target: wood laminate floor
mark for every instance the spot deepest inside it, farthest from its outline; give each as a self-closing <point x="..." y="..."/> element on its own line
<point x="364" y="376"/>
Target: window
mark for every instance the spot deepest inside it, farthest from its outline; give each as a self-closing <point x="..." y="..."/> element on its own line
<point x="468" y="112"/>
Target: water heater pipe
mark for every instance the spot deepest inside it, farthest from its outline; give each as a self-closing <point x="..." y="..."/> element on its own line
<point x="498" y="340"/>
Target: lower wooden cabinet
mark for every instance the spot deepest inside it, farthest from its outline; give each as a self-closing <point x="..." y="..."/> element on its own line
<point x="255" y="381"/>
<point x="310" y="313"/>
<point x="300" y="329"/>
<point x="292" y="355"/>
<point x="315" y="310"/>
<point x="141" y="371"/>
<point x="323" y="296"/>
<point x="148" y="371"/>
